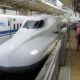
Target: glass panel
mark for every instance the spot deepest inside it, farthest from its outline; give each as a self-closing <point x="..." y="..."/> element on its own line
<point x="14" y="26"/>
<point x="33" y="24"/>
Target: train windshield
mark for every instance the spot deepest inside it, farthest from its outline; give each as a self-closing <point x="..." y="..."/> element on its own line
<point x="30" y="24"/>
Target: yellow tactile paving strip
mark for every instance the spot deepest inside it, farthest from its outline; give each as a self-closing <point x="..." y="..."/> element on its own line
<point x="75" y="69"/>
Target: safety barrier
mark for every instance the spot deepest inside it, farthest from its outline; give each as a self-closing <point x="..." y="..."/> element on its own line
<point x="62" y="55"/>
<point x="56" y="59"/>
<point x="51" y="67"/>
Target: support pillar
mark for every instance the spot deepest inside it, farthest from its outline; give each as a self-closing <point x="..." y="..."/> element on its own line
<point x="4" y="10"/>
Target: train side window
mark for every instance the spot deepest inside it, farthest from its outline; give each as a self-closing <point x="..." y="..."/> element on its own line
<point x="20" y="24"/>
<point x="17" y="26"/>
<point x="14" y="26"/>
<point x="8" y="23"/>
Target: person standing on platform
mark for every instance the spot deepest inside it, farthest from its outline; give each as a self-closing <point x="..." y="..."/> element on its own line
<point x="77" y="30"/>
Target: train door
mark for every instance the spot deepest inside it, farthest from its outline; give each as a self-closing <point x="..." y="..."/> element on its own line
<point x="10" y="26"/>
<point x="13" y="26"/>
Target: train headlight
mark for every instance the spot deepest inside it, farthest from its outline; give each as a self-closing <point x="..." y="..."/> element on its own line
<point x="34" y="52"/>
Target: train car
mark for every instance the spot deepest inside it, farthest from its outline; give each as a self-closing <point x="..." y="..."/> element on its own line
<point x="31" y="44"/>
<point x="9" y="24"/>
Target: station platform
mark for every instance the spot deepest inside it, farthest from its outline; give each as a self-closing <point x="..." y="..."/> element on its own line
<point x="71" y="69"/>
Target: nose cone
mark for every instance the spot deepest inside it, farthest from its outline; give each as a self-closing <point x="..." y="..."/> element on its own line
<point x="4" y="54"/>
<point x="10" y="52"/>
<point x="16" y="58"/>
<point x="11" y="57"/>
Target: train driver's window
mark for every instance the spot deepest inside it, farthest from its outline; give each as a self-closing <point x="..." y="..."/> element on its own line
<point x="33" y="24"/>
<point x="41" y="23"/>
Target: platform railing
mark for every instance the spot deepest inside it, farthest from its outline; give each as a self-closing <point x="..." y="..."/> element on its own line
<point x="51" y="66"/>
<point x="56" y="59"/>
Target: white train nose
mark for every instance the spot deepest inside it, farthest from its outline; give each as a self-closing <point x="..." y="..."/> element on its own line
<point x="4" y="54"/>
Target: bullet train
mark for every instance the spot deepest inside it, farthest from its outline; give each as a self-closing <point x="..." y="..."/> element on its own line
<point x="31" y="44"/>
<point x="9" y="24"/>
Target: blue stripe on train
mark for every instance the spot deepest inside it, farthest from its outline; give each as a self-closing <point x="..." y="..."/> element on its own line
<point x="8" y="32"/>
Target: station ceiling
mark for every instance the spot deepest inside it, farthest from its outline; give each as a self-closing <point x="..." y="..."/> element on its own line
<point x="74" y="4"/>
<point x="33" y="5"/>
<point x="68" y="3"/>
<point x="38" y="5"/>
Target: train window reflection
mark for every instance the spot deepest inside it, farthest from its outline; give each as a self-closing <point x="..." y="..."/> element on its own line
<point x="33" y="24"/>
